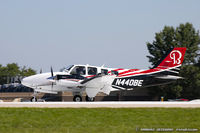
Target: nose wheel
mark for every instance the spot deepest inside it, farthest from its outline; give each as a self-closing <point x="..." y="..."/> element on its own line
<point x="34" y="99"/>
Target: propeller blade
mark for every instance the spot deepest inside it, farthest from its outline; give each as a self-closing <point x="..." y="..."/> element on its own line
<point x="40" y="70"/>
<point x="51" y="71"/>
<point x="52" y="76"/>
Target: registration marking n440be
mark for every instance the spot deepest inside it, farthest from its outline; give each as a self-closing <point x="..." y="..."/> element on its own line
<point x="129" y="82"/>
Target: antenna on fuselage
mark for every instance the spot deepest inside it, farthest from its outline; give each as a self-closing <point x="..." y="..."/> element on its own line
<point x="103" y="65"/>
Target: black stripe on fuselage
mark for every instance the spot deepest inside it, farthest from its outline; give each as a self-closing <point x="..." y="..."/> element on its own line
<point x="142" y="80"/>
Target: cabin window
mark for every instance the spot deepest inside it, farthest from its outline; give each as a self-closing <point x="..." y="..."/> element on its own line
<point x="92" y="70"/>
<point x="67" y="69"/>
<point x="80" y="70"/>
<point x="104" y="71"/>
<point x="115" y="73"/>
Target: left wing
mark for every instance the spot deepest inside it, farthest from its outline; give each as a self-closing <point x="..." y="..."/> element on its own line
<point x="98" y="83"/>
<point x="93" y="85"/>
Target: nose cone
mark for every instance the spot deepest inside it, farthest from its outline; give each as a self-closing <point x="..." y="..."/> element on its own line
<point x="36" y="80"/>
<point x="27" y="82"/>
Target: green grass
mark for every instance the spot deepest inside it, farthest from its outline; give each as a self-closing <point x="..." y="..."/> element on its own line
<point x="98" y="120"/>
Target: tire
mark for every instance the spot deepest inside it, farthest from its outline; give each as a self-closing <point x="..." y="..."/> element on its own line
<point x="86" y="98"/>
<point x="77" y="98"/>
<point x="33" y="99"/>
<point x="90" y="99"/>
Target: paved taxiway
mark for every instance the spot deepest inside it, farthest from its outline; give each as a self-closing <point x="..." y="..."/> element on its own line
<point x="102" y="104"/>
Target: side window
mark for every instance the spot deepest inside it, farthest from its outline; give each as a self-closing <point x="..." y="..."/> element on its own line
<point x="104" y="71"/>
<point x="92" y="70"/>
<point x="115" y="73"/>
<point x="80" y="70"/>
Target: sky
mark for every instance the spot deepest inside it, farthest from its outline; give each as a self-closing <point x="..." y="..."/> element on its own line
<point x="44" y="33"/>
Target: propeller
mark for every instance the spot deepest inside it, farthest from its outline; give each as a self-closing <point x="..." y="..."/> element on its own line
<point x="40" y="70"/>
<point x="51" y="71"/>
<point x="52" y="77"/>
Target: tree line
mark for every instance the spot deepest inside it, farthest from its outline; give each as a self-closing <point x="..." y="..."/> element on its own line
<point x="185" y="35"/>
<point x="14" y="73"/>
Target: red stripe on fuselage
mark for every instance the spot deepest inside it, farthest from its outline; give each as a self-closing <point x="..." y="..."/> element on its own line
<point x="116" y="70"/>
<point x="142" y="72"/>
<point x="90" y="76"/>
<point x="128" y="71"/>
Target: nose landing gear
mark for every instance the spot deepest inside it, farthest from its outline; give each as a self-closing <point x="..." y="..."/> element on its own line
<point x="34" y="99"/>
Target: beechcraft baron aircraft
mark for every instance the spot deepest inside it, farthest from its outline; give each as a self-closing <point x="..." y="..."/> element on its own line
<point x="92" y="79"/>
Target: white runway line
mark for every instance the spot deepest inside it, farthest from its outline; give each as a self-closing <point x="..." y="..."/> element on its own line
<point x="101" y="104"/>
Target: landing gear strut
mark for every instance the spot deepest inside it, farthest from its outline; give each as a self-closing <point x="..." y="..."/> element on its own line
<point x="91" y="99"/>
<point x="34" y="99"/>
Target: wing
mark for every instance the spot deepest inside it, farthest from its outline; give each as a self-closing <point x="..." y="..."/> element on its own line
<point x="99" y="83"/>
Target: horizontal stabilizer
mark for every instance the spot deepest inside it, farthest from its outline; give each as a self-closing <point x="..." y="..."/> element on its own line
<point x="169" y="77"/>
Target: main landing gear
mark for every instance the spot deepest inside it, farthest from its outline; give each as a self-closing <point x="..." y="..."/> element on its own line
<point x="78" y="97"/>
<point x="90" y="99"/>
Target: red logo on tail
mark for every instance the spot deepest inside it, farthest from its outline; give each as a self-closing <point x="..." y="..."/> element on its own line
<point x="174" y="58"/>
<point x="176" y="55"/>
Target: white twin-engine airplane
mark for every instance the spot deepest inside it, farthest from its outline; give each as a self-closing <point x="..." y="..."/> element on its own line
<point x="93" y="79"/>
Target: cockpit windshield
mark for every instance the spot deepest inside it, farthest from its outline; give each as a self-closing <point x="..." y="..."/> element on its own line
<point x="67" y="69"/>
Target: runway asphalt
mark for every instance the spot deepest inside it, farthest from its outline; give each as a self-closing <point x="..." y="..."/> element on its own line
<point x="101" y="104"/>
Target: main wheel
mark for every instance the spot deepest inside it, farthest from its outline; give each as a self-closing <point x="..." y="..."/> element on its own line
<point x="77" y="98"/>
<point x="86" y="98"/>
<point x="91" y="99"/>
<point x="33" y="99"/>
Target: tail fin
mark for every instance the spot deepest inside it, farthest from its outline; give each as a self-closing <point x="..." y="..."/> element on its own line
<point x="171" y="63"/>
<point x="173" y="59"/>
